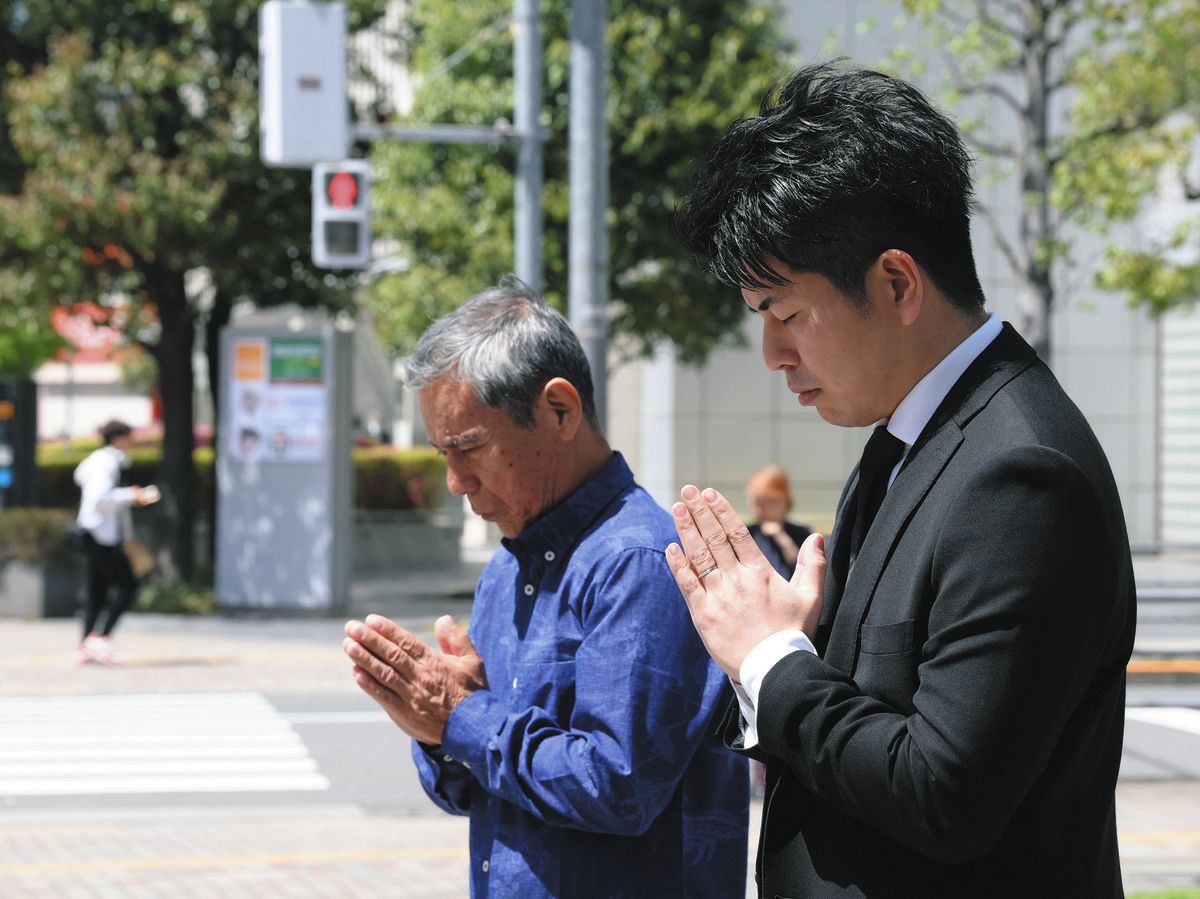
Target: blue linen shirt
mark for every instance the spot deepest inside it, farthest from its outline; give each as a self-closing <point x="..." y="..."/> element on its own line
<point x="590" y="765"/>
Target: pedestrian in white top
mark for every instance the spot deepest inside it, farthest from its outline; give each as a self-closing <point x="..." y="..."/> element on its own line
<point x="104" y="517"/>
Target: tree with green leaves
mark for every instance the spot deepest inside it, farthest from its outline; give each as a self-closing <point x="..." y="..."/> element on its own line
<point x="1146" y="69"/>
<point x="27" y="338"/>
<point x="1081" y="135"/>
<point x="680" y="72"/>
<point x="129" y="160"/>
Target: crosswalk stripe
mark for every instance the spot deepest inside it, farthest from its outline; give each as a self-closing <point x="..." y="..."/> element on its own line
<point x="150" y="743"/>
<point x="1174" y="717"/>
<point x="265" y="782"/>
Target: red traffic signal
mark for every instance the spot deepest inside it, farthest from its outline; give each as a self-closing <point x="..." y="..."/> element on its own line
<point x="342" y="190"/>
<point x="341" y="236"/>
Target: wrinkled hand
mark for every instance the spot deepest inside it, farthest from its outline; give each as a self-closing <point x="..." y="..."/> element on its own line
<point x="416" y="685"/>
<point x="740" y="600"/>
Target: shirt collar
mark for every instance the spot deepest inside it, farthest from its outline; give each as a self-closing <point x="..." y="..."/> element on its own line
<point x="121" y="457"/>
<point x="915" y="410"/>
<point x="559" y="528"/>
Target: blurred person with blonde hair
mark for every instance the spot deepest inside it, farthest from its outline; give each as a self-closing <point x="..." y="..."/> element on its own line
<point x="769" y="495"/>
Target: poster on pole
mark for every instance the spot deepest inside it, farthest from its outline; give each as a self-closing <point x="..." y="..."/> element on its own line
<point x="278" y="398"/>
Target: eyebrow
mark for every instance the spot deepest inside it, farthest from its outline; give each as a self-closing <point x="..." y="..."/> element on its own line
<point x="762" y="306"/>
<point x="458" y="441"/>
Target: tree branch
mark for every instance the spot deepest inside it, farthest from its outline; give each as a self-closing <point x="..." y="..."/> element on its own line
<point x="969" y="86"/>
<point x="1002" y="151"/>
<point x="1072" y="14"/>
<point x="1014" y="7"/>
<point x="993" y="90"/>
<point x="958" y="22"/>
<point x="1118" y="128"/>
<point x="1006" y="248"/>
<point x="1191" y="191"/>
<point x="983" y="14"/>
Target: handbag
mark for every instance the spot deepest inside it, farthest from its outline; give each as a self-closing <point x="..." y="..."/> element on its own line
<point x="74" y="535"/>
<point x="141" y="560"/>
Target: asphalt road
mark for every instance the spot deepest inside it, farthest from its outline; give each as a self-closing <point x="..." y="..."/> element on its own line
<point x="236" y="758"/>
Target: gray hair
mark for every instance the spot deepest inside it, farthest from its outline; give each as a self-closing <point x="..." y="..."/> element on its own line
<point x="507" y="344"/>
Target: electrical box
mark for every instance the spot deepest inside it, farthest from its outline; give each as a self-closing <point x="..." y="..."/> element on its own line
<point x="284" y="475"/>
<point x="303" y="105"/>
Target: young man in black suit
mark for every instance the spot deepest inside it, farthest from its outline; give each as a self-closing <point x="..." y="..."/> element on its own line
<point x="939" y="693"/>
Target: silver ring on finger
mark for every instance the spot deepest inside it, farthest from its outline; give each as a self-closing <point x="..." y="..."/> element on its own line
<point x="707" y="571"/>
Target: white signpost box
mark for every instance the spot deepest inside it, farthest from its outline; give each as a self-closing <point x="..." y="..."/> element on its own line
<point x="284" y="476"/>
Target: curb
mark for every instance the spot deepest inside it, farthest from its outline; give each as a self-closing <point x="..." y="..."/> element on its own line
<point x="1164" y="665"/>
<point x="1187" y="592"/>
<point x="1164" y="669"/>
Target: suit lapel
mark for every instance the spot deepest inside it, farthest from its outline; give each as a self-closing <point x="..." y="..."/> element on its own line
<point x="848" y="601"/>
<point x="835" y="572"/>
<point x="910" y="487"/>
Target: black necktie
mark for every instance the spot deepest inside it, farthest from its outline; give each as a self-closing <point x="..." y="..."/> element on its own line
<point x="879" y="457"/>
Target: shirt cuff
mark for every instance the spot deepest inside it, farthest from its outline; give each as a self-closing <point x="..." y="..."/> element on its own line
<point x="749" y="731"/>
<point x="758" y="662"/>
<point x="469" y="736"/>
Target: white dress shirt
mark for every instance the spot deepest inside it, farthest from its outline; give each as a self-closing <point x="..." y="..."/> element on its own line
<point x="104" y="506"/>
<point x="906" y="423"/>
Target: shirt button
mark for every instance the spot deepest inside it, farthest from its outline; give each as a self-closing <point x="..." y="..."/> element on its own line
<point x="485" y="866"/>
<point x="529" y="589"/>
<point x="447" y="758"/>
<point x="549" y="557"/>
<point x="514" y="683"/>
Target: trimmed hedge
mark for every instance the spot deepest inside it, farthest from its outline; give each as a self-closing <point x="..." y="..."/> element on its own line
<point x="162" y="598"/>
<point x="384" y="477"/>
<point x="34" y="534"/>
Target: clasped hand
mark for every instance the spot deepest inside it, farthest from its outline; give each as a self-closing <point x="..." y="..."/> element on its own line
<point x="416" y="685"/>
<point x="736" y="598"/>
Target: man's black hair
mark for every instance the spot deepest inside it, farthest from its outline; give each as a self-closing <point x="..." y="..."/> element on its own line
<point x="113" y="429"/>
<point x="838" y="167"/>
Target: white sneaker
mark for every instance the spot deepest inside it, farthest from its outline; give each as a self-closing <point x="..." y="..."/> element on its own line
<point x="83" y="655"/>
<point x="100" y="649"/>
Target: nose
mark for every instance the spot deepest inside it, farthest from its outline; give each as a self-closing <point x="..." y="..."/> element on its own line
<point x="460" y="481"/>
<point x="778" y="348"/>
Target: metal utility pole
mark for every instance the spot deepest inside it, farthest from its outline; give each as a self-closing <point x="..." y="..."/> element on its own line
<point x="587" y="288"/>
<point x="527" y="87"/>
<point x="525" y="132"/>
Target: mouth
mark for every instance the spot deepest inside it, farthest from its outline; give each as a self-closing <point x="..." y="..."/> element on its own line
<point x="807" y="397"/>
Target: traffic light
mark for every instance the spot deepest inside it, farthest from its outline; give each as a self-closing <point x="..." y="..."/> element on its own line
<point x="341" y="222"/>
<point x="18" y="441"/>
<point x="303" y="107"/>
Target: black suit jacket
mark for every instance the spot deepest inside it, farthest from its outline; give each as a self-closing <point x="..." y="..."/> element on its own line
<point x="960" y="732"/>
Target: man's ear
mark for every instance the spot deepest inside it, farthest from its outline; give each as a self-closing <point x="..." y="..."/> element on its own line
<point x="564" y="406"/>
<point x="896" y="277"/>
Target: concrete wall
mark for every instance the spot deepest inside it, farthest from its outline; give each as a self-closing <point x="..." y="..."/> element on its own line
<point x="1181" y="428"/>
<point x="74" y="400"/>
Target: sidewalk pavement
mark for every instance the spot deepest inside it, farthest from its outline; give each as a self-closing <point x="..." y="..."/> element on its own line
<point x="1167" y="647"/>
<point x="1168" y="575"/>
<point x="245" y="651"/>
<point x="340" y="849"/>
